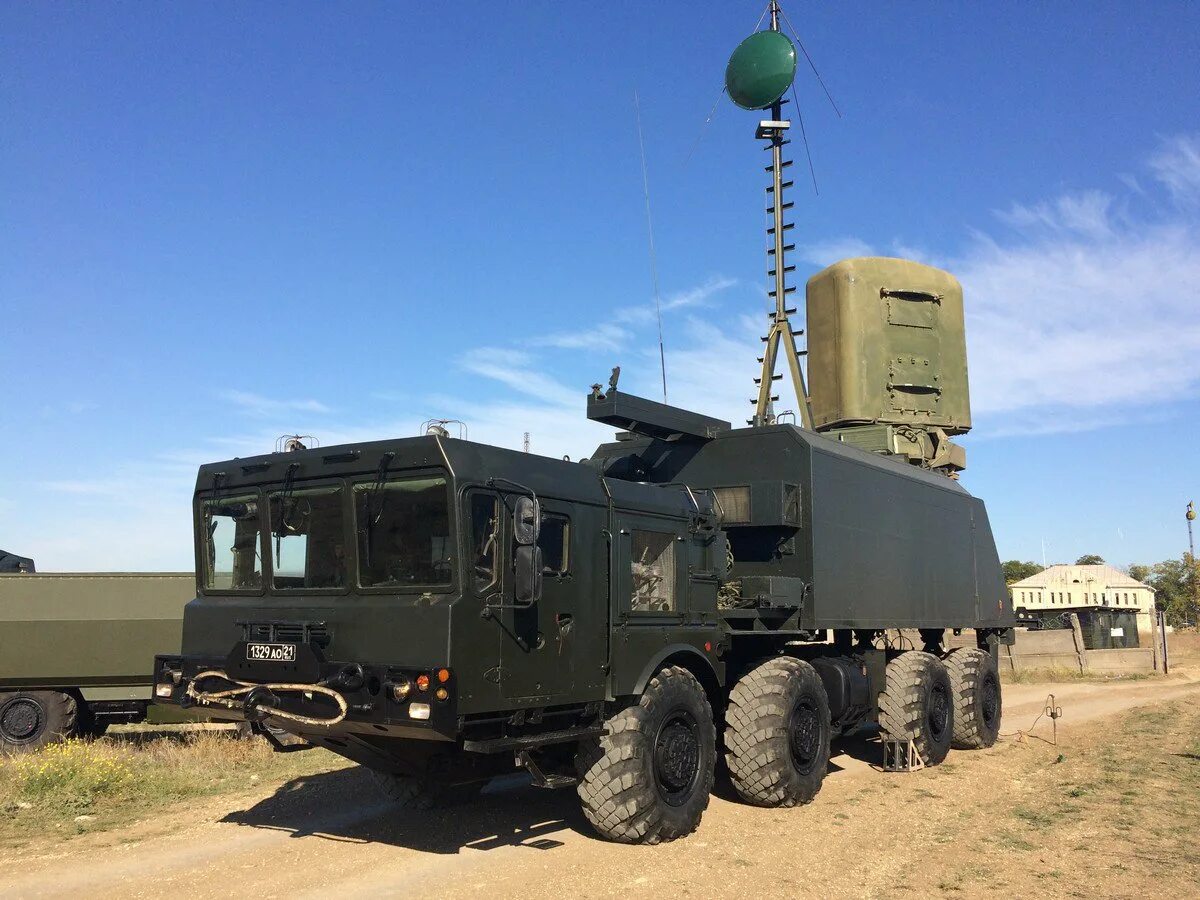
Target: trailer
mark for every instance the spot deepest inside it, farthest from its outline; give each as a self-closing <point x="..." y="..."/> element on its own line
<point x="77" y="650"/>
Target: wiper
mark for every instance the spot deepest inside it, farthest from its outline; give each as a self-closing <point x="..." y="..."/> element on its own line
<point x="376" y="492"/>
<point x="289" y="481"/>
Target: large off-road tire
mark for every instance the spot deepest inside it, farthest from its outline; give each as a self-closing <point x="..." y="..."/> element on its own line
<point x="29" y="720"/>
<point x="411" y="792"/>
<point x="975" y="681"/>
<point x="777" y="733"/>
<point x="918" y="703"/>
<point x="88" y="725"/>
<point x="648" y="780"/>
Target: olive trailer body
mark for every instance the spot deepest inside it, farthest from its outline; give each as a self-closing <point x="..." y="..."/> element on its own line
<point x="76" y="650"/>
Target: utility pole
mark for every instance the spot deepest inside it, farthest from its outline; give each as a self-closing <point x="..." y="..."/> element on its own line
<point x="525" y="444"/>
<point x="1193" y="570"/>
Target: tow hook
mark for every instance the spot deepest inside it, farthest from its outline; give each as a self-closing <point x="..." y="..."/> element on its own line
<point x="256" y="700"/>
<point x="350" y="678"/>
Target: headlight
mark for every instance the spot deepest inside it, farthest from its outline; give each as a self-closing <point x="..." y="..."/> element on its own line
<point x="164" y="690"/>
<point x="418" y="710"/>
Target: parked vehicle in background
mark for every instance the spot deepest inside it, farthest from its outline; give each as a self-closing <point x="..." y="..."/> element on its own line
<point x="77" y="649"/>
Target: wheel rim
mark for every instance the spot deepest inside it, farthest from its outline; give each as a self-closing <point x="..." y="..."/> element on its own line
<point x="938" y="716"/>
<point x="804" y="734"/>
<point x="21" y="720"/>
<point x="677" y="757"/>
<point x="991" y="699"/>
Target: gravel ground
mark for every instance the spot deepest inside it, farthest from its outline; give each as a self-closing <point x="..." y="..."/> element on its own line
<point x="1106" y="812"/>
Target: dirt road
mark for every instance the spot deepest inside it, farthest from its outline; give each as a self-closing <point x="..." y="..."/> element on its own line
<point x="868" y="834"/>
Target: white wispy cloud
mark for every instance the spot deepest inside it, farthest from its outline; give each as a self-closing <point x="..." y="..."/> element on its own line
<point x="830" y="250"/>
<point x="258" y="405"/>
<point x="601" y="336"/>
<point x="684" y="299"/>
<point x="515" y="370"/>
<point x="1080" y="315"/>
<point x="1176" y="164"/>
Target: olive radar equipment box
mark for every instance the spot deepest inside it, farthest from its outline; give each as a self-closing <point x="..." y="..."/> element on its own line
<point x="887" y="359"/>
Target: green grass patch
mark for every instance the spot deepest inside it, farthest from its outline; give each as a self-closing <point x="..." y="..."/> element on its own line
<point x="117" y="779"/>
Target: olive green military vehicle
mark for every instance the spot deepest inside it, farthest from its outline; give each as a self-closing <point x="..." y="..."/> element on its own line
<point x="442" y="611"/>
<point x="76" y="648"/>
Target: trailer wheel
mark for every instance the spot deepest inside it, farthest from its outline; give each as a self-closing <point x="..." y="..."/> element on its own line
<point x="977" y="702"/>
<point x="918" y="704"/>
<point x="648" y="780"/>
<point x="777" y="733"/>
<point x="29" y="720"/>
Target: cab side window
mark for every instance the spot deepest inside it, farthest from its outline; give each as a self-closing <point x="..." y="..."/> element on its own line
<point x="653" y="572"/>
<point x="555" y="541"/>
<point x="485" y="539"/>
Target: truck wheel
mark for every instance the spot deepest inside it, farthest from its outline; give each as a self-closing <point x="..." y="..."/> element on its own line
<point x="976" y="685"/>
<point x="918" y="704"/>
<point x="411" y="792"/>
<point x="30" y="720"/>
<point x="648" y="779"/>
<point x="407" y="791"/>
<point x="777" y="733"/>
<point x="88" y="725"/>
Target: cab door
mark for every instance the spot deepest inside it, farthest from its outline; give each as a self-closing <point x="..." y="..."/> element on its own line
<point x="649" y="578"/>
<point x="538" y="641"/>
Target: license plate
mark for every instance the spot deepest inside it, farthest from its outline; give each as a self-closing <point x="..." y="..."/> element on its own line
<point x="271" y="652"/>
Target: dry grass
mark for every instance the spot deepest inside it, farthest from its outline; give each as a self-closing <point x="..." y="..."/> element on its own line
<point x="1113" y="811"/>
<point x="1052" y="675"/>
<point x="92" y="785"/>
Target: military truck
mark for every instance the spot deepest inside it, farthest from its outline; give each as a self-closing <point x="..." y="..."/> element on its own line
<point x="76" y="649"/>
<point x="442" y="611"/>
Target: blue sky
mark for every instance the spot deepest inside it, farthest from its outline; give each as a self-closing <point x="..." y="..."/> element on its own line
<point x="221" y="223"/>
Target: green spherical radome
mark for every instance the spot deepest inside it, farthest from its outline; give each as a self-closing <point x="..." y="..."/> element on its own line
<point x="760" y="70"/>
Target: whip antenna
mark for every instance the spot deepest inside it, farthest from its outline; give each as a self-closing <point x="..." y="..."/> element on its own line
<point x="662" y="353"/>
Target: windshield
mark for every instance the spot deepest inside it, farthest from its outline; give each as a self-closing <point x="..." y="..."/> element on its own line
<point x="403" y="532"/>
<point x="308" y="539"/>
<point x="232" y="548"/>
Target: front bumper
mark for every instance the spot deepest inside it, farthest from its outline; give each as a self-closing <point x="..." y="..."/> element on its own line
<point x="374" y="705"/>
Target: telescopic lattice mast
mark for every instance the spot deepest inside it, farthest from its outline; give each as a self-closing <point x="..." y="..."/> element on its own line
<point x="780" y="332"/>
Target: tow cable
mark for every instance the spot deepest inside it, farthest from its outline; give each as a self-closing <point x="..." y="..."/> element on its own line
<point x="250" y="704"/>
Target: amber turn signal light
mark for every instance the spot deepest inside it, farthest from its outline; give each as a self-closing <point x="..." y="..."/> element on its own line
<point x="422" y="682"/>
<point x="443" y="675"/>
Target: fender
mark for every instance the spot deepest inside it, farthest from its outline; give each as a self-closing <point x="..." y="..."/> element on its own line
<point x="694" y="656"/>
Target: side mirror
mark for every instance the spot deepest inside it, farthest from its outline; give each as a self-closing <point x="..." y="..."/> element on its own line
<point x="527" y="521"/>
<point x="528" y="564"/>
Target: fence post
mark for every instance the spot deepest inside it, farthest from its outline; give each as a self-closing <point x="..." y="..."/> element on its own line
<point x="1080" y="650"/>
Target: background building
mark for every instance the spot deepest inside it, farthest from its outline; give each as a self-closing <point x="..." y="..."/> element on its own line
<point x="1073" y="588"/>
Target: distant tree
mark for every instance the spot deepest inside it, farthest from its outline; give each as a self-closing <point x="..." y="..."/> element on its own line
<point x="1174" y="582"/>
<point x="1015" y="570"/>
<point x="1140" y="573"/>
<point x="1090" y="559"/>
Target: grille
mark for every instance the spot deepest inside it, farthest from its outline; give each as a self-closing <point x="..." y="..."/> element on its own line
<point x="287" y="632"/>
